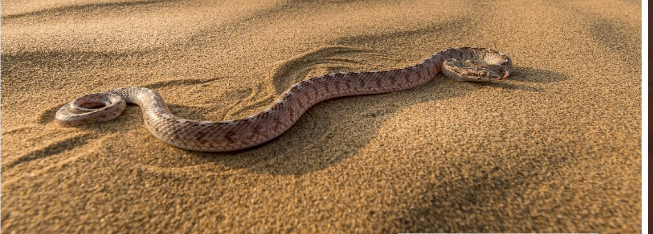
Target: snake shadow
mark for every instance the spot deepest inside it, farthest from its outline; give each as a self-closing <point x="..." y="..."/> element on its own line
<point x="337" y="129"/>
<point x="525" y="76"/>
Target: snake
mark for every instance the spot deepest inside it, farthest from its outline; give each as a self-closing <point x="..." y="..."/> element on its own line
<point x="460" y="63"/>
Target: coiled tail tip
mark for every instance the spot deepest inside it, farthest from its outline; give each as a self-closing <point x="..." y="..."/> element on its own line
<point x="92" y="108"/>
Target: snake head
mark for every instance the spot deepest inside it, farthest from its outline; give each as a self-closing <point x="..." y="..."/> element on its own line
<point x="476" y="64"/>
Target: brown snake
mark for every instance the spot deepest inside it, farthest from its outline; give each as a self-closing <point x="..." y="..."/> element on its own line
<point x="462" y="63"/>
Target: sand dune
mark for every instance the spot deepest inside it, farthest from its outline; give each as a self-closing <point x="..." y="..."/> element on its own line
<point x="555" y="148"/>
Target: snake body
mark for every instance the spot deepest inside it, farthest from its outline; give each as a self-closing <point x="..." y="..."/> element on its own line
<point x="461" y="63"/>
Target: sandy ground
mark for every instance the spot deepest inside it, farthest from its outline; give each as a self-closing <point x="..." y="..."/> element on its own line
<point x="555" y="148"/>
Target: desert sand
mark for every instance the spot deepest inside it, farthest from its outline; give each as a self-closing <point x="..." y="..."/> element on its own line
<point x="554" y="148"/>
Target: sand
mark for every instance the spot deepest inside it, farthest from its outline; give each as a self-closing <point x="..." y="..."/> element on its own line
<point x="555" y="148"/>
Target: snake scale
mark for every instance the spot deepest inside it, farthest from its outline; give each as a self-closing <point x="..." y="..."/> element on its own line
<point x="461" y="63"/>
